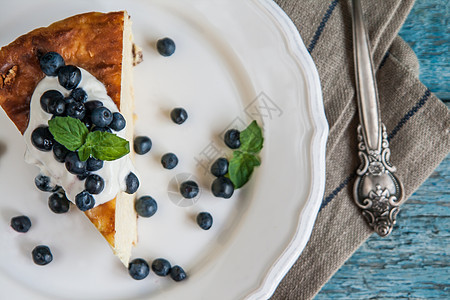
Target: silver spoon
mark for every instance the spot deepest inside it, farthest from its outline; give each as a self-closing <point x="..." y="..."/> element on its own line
<point x="377" y="190"/>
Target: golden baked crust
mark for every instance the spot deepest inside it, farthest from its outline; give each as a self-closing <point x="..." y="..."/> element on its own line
<point x="92" y="41"/>
<point x="103" y="217"/>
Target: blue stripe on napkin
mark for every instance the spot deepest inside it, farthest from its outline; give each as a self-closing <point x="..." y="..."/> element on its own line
<point x="324" y="21"/>
<point x="410" y="114"/>
<point x="383" y="61"/>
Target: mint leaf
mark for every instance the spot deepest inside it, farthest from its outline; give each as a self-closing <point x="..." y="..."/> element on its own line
<point x="69" y="132"/>
<point x="241" y="167"/>
<point x="85" y="152"/>
<point x="252" y="139"/>
<point x="104" y="146"/>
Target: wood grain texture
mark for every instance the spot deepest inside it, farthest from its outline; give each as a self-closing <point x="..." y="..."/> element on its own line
<point x="427" y="31"/>
<point x="413" y="263"/>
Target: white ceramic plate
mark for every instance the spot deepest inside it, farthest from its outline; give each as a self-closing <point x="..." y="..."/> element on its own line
<point x="235" y="61"/>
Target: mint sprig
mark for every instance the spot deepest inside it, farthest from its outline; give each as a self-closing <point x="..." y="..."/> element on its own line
<point x="104" y="146"/>
<point x="70" y="132"/>
<point x="74" y="135"/>
<point x="245" y="159"/>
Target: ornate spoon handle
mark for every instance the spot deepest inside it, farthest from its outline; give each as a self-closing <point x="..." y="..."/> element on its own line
<point x="377" y="190"/>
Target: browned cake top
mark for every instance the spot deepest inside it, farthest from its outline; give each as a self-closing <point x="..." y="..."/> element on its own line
<point x="104" y="218"/>
<point x="92" y="41"/>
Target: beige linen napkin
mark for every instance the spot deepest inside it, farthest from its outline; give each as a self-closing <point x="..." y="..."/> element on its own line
<point x="417" y="123"/>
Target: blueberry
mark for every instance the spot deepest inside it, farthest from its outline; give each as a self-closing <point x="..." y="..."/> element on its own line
<point x="189" y="189"/>
<point x="83" y="176"/>
<point x="76" y="110"/>
<point x="50" y="63"/>
<point x="79" y="95"/>
<point x="87" y="121"/>
<point x="60" y="152"/>
<point x="58" y="107"/>
<point x="48" y="100"/>
<point x="232" y="138"/>
<point x="204" y="220"/>
<point x="42" y="255"/>
<point x="161" y="267"/>
<point x="220" y="167"/>
<point x="94" y="184"/>
<point x="222" y="187"/>
<point x="138" y="269"/>
<point x="179" y="115"/>
<point x="146" y="206"/>
<point x="84" y="201"/>
<point x="166" y="46"/>
<point x="69" y="77"/>
<point x="102" y="129"/>
<point x="169" y="161"/>
<point x="42" y="139"/>
<point x="43" y="183"/>
<point x="74" y="165"/>
<point x="118" y="122"/>
<point x="58" y="203"/>
<point x="101" y="117"/>
<point x="142" y="145"/>
<point x="132" y="183"/>
<point x="177" y="273"/>
<point x="94" y="164"/>
<point x="21" y="223"/>
<point x="69" y="100"/>
<point x="91" y="105"/>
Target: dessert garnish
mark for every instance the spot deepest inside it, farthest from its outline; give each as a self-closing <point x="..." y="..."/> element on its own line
<point x="177" y="273"/>
<point x="142" y="145"/>
<point x="220" y="167"/>
<point x="189" y="189"/>
<point x="146" y="206"/>
<point x="132" y="183"/>
<point x="21" y="224"/>
<point x="166" y="46"/>
<point x="138" y="269"/>
<point x="169" y="161"/>
<point x="232" y="138"/>
<point x="245" y="159"/>
<point x="43" y="183"/>
<point x="178" y="115"/>
<point x="82" y="134"/>
<point x="161" y="267"/>
<point x="58" y="202"/>
<point x="222" y="187"/>
<point x="74" y="135"/>
<point x="204" y="220"/>
<point x="237" y="172"/>
<point x="42" y="255"/>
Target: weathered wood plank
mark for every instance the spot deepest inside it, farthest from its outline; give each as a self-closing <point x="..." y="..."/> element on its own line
<point x="427" y="31"/>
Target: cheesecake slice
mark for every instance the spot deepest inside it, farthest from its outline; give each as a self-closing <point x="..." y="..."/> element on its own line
<point x="101" y="44"/>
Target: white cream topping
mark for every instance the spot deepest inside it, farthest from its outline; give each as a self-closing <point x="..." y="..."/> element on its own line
<point x="113" y="172"/>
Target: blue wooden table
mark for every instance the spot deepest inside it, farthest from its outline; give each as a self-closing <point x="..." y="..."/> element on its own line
<point x="414" y="262"/>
